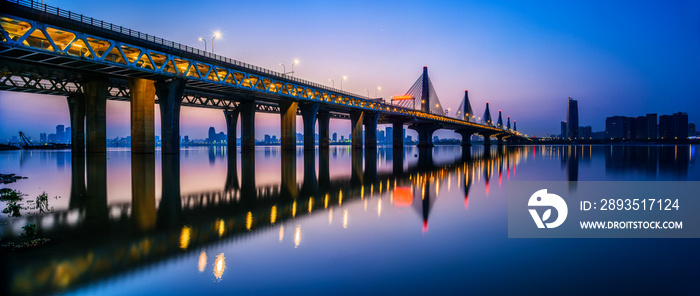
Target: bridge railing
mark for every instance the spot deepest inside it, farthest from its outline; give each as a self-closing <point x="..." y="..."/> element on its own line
<point x="173" y="45"/>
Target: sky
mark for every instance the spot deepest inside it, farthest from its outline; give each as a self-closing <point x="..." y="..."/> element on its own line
<point x="525" y="57"/>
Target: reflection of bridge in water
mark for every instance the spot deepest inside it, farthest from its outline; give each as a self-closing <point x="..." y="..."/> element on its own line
<point x="127" y="237"/>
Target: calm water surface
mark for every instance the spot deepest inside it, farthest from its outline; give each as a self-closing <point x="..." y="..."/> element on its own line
<point x="336" y="222"/>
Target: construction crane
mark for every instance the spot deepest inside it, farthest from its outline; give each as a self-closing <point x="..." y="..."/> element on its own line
<point x="27" y="143"/>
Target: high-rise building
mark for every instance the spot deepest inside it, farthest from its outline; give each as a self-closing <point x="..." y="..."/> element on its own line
<point x="680" y="125"/>
<point x="212" y="135"/>
<point x="60" y="131"/>
<point x="585" y="132"/>
<point x="652" y="132"/>
<point x="42" y="137"/>
<point x="389" y="134"/>
<point x="691" y="130"/>
<point x="67" y="135"/>
<point x="673" y="127"/>
<point x="335" y="137"/>
<point x="572" y="119"/>
<point x="641" y="128"/>
<point x="563" y="130"/>
<point x="618" y="127"/>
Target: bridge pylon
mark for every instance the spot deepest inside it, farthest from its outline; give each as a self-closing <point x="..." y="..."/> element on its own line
<point x="499" y="124"/>
<point x="423" y="95"/>
<point x="487" y="116"/>
<point x="465" y="112"/>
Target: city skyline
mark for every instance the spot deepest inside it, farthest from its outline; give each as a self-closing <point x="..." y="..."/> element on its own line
<point x="601" y="57"/>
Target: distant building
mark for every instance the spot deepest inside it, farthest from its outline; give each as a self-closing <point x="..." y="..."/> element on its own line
<point x="60" y="133"/>
<point x="300" y="137"/>
<point x="618" y="127"/>
<point x="691" y="130"/>
<point x="572" y="119"/>
<point x="67" y="135"/>
<point x="563" y="130"/>
<point x="652" y="132"/>
<point x="585" y="132"/>
<point x="598" y="135"/>
<point x="389" y="134"/>
<point x="335" y="137"/>
<point x="640" y="128"/>
<point x="42" y="137"/>
<point x="212" y="135"/>
<point x="673" y="127"/>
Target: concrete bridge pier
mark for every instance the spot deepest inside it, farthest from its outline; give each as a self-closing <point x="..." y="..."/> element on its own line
<point x="143" y="191"/>
<point x="324" y="118"/>
<point x="356" y="176"/>
<point x="324" y="178"/>
<point x="500" y="140"/>
<point x="425" y="134"/>
<point x="143" y="96"/>
<point x="170" y="98"/>
<point x="466" y="136"/>
<point x="310" y="185"/>
<point x="170" y="206"/>
<point x="487" y="138"/>
<point x="95" y="94"/>
<point x="231" y="171"/>
<point x="370" y="173"/>
<point x="77" y="181"/>
<point x="247" y="110"/>
<point x="248" y="189"/>
<point x="356" y="120"/>
<point x="397" y="160"/>
<point x="397" y="134"/>
<point x="231" y="121"/>
<point x="76" y="108"/>
<point x="370" y="120"/>
<point x="96" y="211"/>
<point x="288" y="125"/>
<point x="289" y="174"/>
<point x="425" y="158"/>
<point x="308" y="114"/>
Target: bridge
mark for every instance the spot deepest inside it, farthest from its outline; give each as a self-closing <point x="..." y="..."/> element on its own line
<point x="47" y="50"/>
<point x="140" y="235"/>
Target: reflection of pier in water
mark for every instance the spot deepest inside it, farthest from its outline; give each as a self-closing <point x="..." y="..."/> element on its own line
<point x="139" y="234"/>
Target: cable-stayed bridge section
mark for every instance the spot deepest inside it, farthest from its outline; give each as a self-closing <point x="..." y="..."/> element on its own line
<point x="47" y="50"/>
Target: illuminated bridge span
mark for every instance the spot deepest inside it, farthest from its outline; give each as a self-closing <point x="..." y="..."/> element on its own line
<point x="44" y="49"/>
<point x="139" y="236"/>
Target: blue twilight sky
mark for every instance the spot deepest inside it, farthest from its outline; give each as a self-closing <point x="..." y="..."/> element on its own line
<point x="615" y="57"/>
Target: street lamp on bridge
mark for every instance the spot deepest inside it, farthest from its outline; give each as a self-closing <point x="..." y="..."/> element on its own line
<point x="205" y="43"/>
<point x="333" y="82"/>
<point x="341" y="82"/>
<point x="216" y="34"/>
<point x="367" y="90"/>
<point x="377" y="90"/>
<point x="284" y="69"/>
